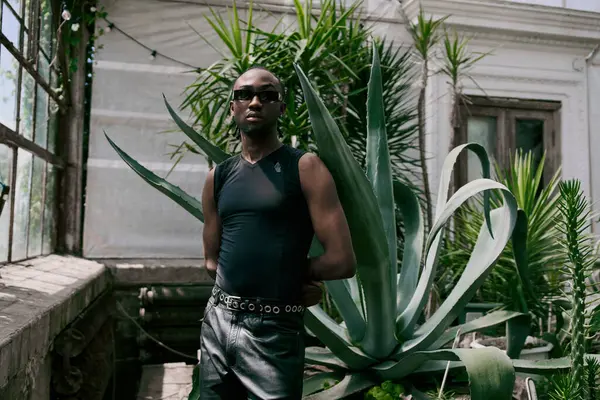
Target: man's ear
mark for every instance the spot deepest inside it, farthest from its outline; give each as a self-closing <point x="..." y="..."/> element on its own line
<point x="231" y="107"/>
<point x="282" y="108"/>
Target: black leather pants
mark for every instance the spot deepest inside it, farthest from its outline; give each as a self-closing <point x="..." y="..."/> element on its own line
<point x="248" y="355"/>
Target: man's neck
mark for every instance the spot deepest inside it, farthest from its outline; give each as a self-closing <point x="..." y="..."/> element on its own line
<point x="255" y="148"/>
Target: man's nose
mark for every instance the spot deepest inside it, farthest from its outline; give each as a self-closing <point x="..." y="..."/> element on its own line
<point x="255" y="102"/>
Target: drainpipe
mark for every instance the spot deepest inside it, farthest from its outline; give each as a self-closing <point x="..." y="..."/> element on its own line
<point x="589" y="62"/>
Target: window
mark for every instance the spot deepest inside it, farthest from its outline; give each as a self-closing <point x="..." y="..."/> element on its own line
<point x="504" y="125"/>
<point x="29" y="110"/>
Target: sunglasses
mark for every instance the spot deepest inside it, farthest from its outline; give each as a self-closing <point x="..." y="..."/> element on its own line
<point x="266" y="96"/>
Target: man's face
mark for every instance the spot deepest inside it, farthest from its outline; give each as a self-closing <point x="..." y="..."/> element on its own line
<point x="256" y="104"/>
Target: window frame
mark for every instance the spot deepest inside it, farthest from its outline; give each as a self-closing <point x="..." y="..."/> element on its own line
<point x="507" y="111"/>
<point x="14" y="139"/>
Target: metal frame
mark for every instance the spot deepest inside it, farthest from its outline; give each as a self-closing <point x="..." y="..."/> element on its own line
<point x="68" y="130"/>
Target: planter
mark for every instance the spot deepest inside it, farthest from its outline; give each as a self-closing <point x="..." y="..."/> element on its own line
<point x="476" y="310"/>
<point x="534" y="349"/>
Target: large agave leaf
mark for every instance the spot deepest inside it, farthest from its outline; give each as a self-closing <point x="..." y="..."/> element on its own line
<point x="487" y="321"/>
<point x="175" y="193"/>
<point x="379" y="169"/>
<point x="335" y="338"/>
<point x="351" y="384"/>
<point x="364" y="218"/>
<point x="342" y="298"/>
<point x="542" y="367"/>
<point x="485" y="252"/>
<point x="212" y="151"/>
<point x="491" y="373"/>
<point x="322" y="356"/>
<point x="409" y="206"/>
<point x="406" y="321"/>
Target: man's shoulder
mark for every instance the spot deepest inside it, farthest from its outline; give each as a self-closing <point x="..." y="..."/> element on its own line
<point x="310" y="162"/>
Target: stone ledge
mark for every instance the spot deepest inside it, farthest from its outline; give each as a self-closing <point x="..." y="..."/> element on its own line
<point x="38" y="299"/>
<point x="136" y="272"/>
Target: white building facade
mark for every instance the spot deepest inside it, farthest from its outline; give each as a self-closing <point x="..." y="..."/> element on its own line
<point x="539" y="88"/>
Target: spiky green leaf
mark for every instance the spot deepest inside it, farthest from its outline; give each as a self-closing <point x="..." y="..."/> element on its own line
<point x="189" y="203"/>
<point x="409" y="206"/>
<point x="487" y="321"/>
<point x="379" y="170"/>
<point x="335" y="337"/>
<point x="211" y="151"/>
<point x="364" y="218"/>
<point x="491" y="373"/>
<point x="444" y="210"/>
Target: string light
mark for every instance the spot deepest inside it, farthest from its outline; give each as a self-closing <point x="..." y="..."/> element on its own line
<point x="153" y="53"/>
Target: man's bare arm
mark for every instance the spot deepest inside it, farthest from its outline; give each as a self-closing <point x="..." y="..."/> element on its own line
<point x="329" y="222"/>
<point x="211" y="235"/>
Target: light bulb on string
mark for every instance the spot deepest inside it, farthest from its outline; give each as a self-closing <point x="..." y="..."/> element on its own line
<point x="152" y="55"/>
<point x="109" y="27"/>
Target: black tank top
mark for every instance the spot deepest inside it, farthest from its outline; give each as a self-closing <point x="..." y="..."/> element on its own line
<point x="266" y="226"/>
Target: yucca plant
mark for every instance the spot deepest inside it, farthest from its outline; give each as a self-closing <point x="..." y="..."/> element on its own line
<point x="379" y="338"/>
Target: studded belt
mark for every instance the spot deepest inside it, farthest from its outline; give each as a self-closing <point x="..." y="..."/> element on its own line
<point x="252" y="304"/>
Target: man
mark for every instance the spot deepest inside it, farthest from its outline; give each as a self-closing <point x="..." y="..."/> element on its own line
<point x="261" y="211"/>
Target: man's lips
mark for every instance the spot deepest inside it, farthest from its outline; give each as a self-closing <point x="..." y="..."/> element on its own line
<point x="253" y="117"/>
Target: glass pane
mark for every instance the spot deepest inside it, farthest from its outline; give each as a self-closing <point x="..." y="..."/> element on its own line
<point x="5" y="175"/>
<point x="36" y="208"/>
<point x="27" y="101"/>
<point x="530" y="137"/>
<point x="46" y="27"/>
<point x="20" y="227"/>
<point x="41" y="117"/>
<point x="16" y="4"/>
<point x="480" y="130"/>
<point x="11" y="28"/>
<point x="9" y="72"/>
<point x="49" y="211"/>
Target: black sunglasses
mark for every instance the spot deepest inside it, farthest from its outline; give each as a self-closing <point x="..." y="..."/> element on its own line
<point x="265" y="96"/>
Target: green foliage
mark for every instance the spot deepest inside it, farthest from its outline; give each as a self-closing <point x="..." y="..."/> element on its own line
<point x="564" y="387"/>
<point x="332" y="47"/>
<point x="592" y="370"/>
<point x="579" y="252"/>
<point x="530" y="286"/>
<point x="388" y="390"/>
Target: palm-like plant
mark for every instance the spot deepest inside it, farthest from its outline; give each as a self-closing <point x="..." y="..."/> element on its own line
<point x="379" y="338"/>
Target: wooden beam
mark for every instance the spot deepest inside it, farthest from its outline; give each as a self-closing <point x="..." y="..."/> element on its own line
<point x="12" y="139"/>
<point x="31" y="69"/>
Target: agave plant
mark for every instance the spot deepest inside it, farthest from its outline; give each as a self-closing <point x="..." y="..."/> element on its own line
<point x="380" y="337"/>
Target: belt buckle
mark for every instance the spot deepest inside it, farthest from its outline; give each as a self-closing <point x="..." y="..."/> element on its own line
<point x="233" y="302"/>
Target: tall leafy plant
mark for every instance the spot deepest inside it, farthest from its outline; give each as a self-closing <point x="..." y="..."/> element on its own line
<point x="391" y="296"/>
<point x="328" y="45"/>
<point x="331" y="44"/>
<point x="426" y="35"/>
<point x="579" y="252"/>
